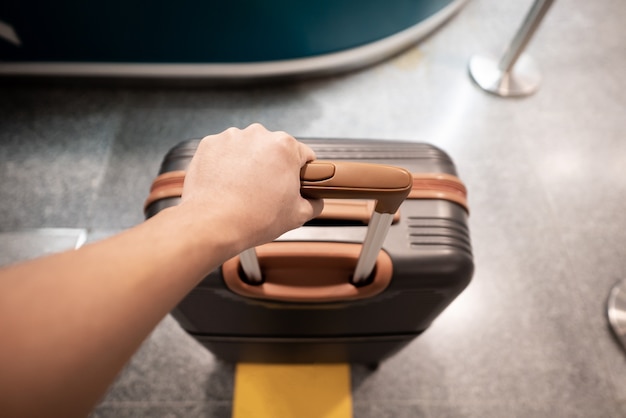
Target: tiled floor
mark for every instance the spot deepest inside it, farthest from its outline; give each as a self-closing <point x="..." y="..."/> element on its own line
<point x="547" y="181"/>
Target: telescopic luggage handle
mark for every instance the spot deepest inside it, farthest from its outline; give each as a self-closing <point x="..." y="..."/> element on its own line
<point x="388" y="185"/>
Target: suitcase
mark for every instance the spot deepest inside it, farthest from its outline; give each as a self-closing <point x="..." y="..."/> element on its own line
<point x="300" y="300"/>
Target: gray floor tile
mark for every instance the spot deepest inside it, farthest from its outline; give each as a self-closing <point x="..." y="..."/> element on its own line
<point x="54" y="147"/>
<point x="519" y="409"/>
<point x="95" y="235"/>
<point x="598" y="263"/>
<point x="529" y="337"/>
<point x="389" y="410"/>
<point x="27" y="244"/>
<point x="452" y="409"/>
<point x="171" y="367"/>
<point x="164" y="410"/>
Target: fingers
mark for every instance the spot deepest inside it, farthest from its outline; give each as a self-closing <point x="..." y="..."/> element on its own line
<point x="317" y="205"/>
<point x="306" y="154"/>
<point x="313" y="206"/>
<point x="308" y="209"/>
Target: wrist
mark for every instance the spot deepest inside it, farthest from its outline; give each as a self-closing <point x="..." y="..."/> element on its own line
<point x="208" y="236"/>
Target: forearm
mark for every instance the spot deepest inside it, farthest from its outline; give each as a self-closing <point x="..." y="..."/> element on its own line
<point x="74" y="319"/>
<point x="69" y="322"/>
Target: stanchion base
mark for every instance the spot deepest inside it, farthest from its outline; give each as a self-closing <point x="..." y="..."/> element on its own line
<point x="522" y="80"/>
<point x="616" y="310"/>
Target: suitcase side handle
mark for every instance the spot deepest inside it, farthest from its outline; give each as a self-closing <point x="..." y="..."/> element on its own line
<point x="308" y="272"/>
<point x="388" y="185"/>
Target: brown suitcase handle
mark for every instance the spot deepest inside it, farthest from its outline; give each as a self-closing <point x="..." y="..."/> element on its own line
<point x="307" y="272"/>
<point x="324" y="179"/>
<point x="388" y="185"/>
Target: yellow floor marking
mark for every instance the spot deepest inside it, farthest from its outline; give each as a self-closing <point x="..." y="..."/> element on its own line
<point x="292" y="390"/>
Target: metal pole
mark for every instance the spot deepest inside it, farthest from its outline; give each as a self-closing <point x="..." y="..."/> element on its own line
<point x="519" y="43"/>
<point x="515" y="74"/>
<point x="372" y="244"/>
<point x="250" y="266"/>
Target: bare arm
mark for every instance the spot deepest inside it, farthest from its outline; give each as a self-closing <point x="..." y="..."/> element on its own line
<point x="69" y="322"/>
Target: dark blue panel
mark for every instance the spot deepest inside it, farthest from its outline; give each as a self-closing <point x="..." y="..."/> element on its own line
<point x="201" y="31"/>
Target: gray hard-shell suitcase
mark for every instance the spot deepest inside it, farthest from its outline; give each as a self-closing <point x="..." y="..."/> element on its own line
<point x="315" y="309"/>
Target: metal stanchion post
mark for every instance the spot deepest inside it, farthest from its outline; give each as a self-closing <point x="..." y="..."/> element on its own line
<point x="516" y="74"/>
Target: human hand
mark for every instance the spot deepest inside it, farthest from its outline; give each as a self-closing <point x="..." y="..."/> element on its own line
<point x="249" y="180"/>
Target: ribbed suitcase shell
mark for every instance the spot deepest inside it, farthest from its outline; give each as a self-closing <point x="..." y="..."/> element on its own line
<point x="432" y="263"/>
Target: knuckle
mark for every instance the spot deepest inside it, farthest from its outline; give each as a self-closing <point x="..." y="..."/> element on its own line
<point x="256" y="126"/>
<point x="206" y="141"/>
<point x="232" y="131"/>
<point x="284" y="138"/>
